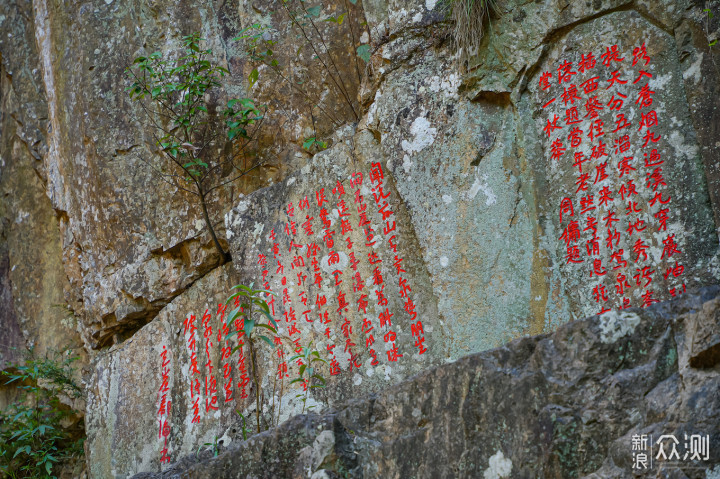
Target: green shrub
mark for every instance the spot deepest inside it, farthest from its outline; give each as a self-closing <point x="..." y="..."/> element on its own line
<point x="32" y="437"/>
<point x="201" y="150"/>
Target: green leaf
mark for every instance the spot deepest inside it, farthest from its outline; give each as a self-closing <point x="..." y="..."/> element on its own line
<point x="353" y="2"/>
<point x="267" y="340"/>
<point x="317" y="376"/>
<point x="302" y="369"/>
<point x="296" y="380"/>
<point x="238" y="312"/>
<point x="262" y="304"/>
<point x="341" y="18"/>
<point x="25" y="449"/>
<point x="249" y="326"/>
<point x="308" y="143"/>
<point x="314" y="11"/>
<point x="232" y="316"/>
<point x="253" y="77"/>
<point x="266" y="291"/>
<point x="268" y="327"/>
<point x="712" y="43"/>
<point x="243" y="287"/>
<point x="363" y="52"/>
<point x="274" y="323"/>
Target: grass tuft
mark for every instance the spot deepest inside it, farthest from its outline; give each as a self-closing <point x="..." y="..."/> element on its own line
<point x="468" y="17"/>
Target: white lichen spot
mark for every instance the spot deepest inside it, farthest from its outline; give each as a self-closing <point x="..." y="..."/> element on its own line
<point x="21" y="216"/>
<point x="417" y="18"/>
<point x="659" y="81"/>
<point x="199" y="224"/>
<point x="357" y="379"/>
<point x="257" y="231"/>
<point x="499" y="466"/>
<point x="423" y="136"/>
<point x="290" y="181"/>
<point x="614" y="326"/>
<point x="398" y="16"/>
<point x="693" y="70"/>
<point x="677" y="141"/>
<point x="242" y="206"/>
<point x="447" y="199"/>
<point x="364" y="38"/>
<point x="448" y="86"/>
<point x="444" y="261"/>
<point x="407" y="164"/>
<point x="430" y="4"/>
<point x="482" y="185"/>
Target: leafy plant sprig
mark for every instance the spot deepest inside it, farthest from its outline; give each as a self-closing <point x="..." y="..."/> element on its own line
<point x="251" y="300"/>
<point x="307" y="372"/>
<point x="215" y="446"/>
<point x="708" y="16"/>
<point x="245" y="430"/>
<point x="312" y="141"/>
<point x="205" y="151"/>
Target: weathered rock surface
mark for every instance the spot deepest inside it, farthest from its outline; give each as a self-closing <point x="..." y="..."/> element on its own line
<point x="558" y="405"/>
<point x="121" y="419"/>
<point x="34" y="307"/>
<point x="95" y="253"/>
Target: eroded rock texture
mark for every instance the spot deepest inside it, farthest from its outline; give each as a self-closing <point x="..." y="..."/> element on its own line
<point x="559" y="405"/>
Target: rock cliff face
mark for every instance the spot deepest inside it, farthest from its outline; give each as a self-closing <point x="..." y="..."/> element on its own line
<point x="565" y="404"/>
<point x="463" y="206"/>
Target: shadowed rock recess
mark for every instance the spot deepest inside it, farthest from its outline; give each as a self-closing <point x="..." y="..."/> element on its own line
<point x="556" y="405"/>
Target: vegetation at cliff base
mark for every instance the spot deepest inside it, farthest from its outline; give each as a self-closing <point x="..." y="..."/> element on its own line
<point x="33" y="434"/>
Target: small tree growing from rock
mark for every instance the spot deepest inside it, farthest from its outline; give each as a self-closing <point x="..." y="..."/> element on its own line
<point x="201" y="150"/>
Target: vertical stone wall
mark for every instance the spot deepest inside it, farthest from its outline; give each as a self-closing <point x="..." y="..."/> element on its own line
<point x="468" y="171"/>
